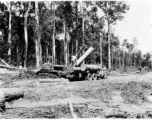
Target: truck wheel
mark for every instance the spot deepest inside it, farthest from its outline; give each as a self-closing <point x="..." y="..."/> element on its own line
<point x="94" y="76"/>
<point x="89" y="77"/>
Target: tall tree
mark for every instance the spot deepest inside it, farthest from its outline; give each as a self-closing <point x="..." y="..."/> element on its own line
<point x="113" y="11"/>
<point x="26" y="34"/>
<point x="82" y="13"/>
<point x="38" y="49"/>
<point x="9" y="31"/>
<point x="101" y="38"/>
<point x="124" y="44"/>
<point x="53" y="39"/>
<point x="130" y="47"/>
<point x="76" y="26"/>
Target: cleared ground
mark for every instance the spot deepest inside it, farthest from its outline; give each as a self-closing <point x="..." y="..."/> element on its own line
<point x="115" y="97"/>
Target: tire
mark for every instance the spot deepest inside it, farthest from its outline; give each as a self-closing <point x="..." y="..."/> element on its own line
<point x="89" y="77"/>
<point x="94" y="76"/>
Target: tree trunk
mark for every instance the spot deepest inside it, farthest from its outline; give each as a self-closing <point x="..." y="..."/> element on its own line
<point x="123" y="57"/>
<point x="112" y="52"/>
<point x="9" y="32"/>
<point x="65" y="45"/>
<point x="131" y="59"/>
<point x="53" y="39"/>
<point x="17" y="52"/>
<point x="47" y="52"/>
<point x="76" y="27"/>
<point x="26" y="36"/>
<point x="82" y="26"/>
<point x="109" y="29"/>
<point x="119" y="59"/>
<point x="101" y="37"/>
<point x="109" y="51"/>
<point x="38" y="38"/>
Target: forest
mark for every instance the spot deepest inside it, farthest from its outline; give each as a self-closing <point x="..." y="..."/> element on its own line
<point x="33" y="33"/>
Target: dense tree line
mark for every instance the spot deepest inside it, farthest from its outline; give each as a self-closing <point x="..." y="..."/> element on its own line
<point x="36" y="32"/>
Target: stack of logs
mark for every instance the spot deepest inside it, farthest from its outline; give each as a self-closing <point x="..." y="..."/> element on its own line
<point x="89" y="72"/>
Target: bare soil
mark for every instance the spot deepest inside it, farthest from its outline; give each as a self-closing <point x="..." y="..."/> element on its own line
<point x="115" y="97"/>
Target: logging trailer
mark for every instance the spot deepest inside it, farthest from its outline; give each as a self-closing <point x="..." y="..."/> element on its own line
<point x="77" y="70"/>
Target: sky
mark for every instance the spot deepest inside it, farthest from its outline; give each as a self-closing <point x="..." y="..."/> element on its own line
<point x="137" y="23"/>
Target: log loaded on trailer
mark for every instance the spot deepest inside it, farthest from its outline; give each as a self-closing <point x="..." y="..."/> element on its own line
<point x="77" y="70"/>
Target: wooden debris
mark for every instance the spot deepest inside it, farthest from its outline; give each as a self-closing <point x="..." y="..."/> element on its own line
<point x="12" y="94"/>
<point x="48" y="80"/>
<point x="111" y="113"/>
<point x="72" y="110"/>
<point x="2" y="101"/>
<point x="2" y="61"/>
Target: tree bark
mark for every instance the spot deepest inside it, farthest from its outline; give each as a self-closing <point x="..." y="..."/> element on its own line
<point x="109" y="51"/>
<point x="17" y="52"/>
<point x="53" y="39"/>
<point x="82" y="26"/>
<point x="47" y="52"/>
<point x="37" y="41"/>
<point x="38" y="38"/>
<point x="26" y="35"/>
<point x="65" y="45"/>
<point x="123" y="57"/>
<point x="76" y="27"/>
<point x="9" y="32"/>
<point x="119" y="59"/>
<point x="101" y="37"/>
<point x="112" y="52"/>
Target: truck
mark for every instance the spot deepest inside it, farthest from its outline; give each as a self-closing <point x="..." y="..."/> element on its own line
<point x="77" y="70"/>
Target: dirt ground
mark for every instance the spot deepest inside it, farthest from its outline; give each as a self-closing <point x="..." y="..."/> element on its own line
<point x="116" y="97"/>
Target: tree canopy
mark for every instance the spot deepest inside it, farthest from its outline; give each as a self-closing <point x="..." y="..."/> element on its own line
<point x="60" y="28"/>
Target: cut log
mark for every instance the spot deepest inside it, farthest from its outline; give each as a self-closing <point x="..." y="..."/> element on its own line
<point x="2" y="61"/>
<point x="7" y="71"/>
<point x="84" y="56"/>
<point x="13" y="94"/>
<point x="8" y="67"/>
<point x="2" y="101"/>
<point x="90" y="67"/>
<point x="49" y="80"/>
<point x="72" y="110"/>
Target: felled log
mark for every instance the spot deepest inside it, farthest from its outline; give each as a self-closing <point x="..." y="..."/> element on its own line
<point x="85" y="67"/>
<point x="48" y="80"/>
<point x="2" y="101"/>
<point x="72" y="110"/>
<point x="116" y="114"/>
<point x="2" y="61"/>
<point x="8" y="67"/>
<point x="12" y="94"/>
<point x="7" y="71"/>
<point x="84" y="56"/>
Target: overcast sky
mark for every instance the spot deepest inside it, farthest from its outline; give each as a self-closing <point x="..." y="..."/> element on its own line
<point x="137" y="23"/>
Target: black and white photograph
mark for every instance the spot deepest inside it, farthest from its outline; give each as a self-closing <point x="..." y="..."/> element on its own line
<point x="76" y="59"/>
